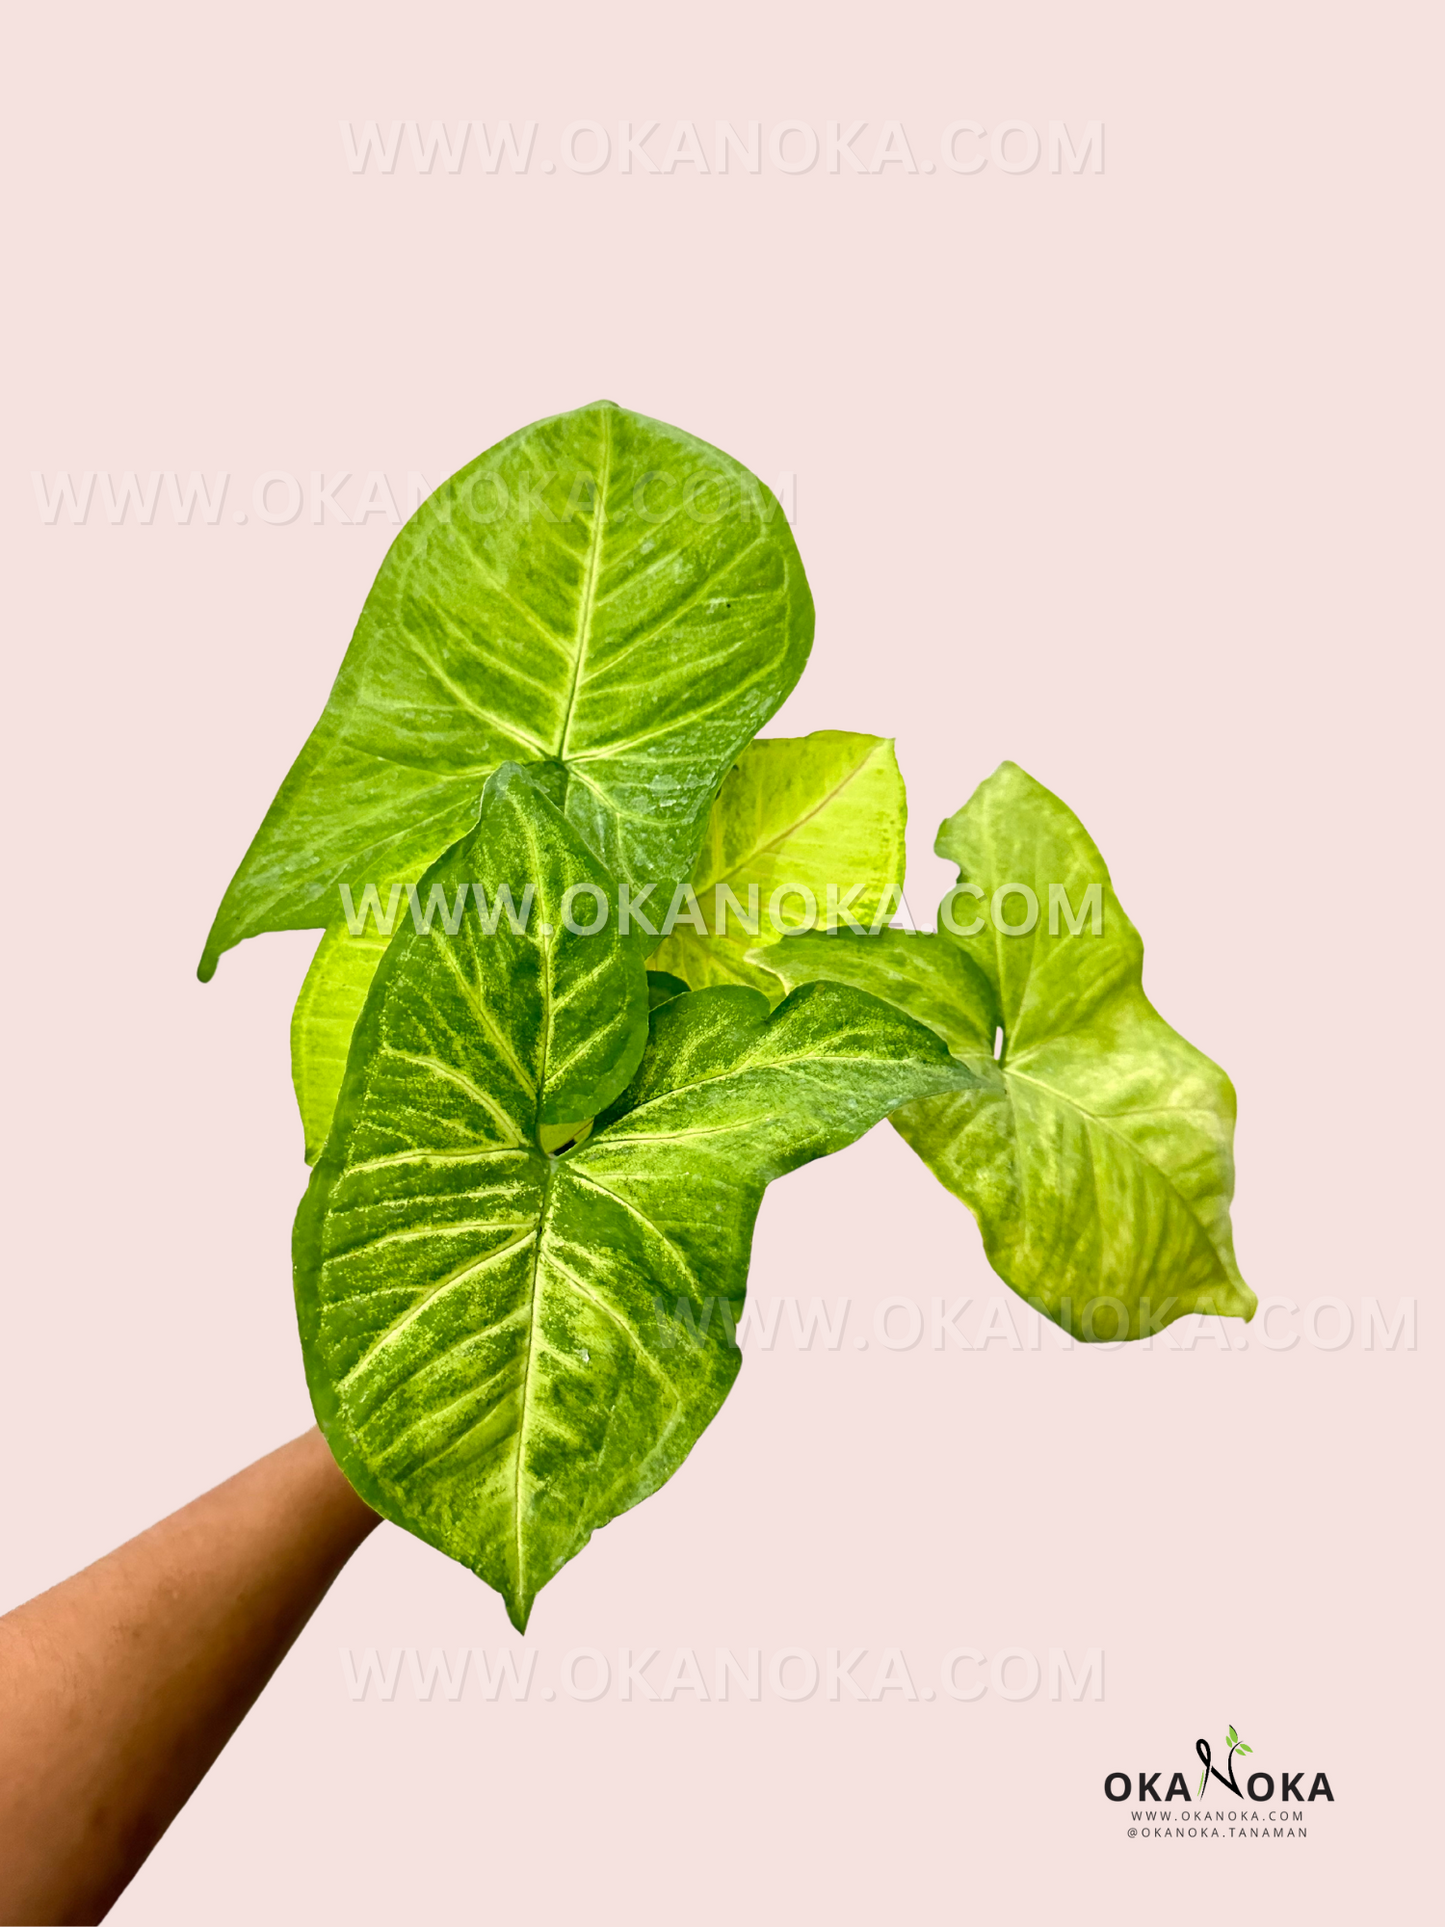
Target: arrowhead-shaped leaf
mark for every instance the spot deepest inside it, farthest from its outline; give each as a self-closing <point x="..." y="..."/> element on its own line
<point x="794" y="816"/>
<point x="1097" y="1156"/>
<point x="507" y="1348"/>
<point x="600" y="593"/>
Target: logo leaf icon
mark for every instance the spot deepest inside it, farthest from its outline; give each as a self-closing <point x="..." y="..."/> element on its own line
<point x="1233" y="1737"/>
<point x="1245" y="1749"/>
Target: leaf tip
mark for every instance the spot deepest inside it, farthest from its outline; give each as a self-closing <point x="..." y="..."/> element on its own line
<point x="519" y="1610"/>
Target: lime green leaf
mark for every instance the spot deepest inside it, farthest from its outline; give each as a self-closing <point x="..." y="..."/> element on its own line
<point x="601" y="594"/>
<point x="1097" y="1155"/>
<point x="794" y="817"/>
<point x="1233" y="1736"/>
<point x="506" y="1348"/>
<point x="321" y="1025"/>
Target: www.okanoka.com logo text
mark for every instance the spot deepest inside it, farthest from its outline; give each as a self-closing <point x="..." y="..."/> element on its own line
<point x="1231" y="1797"/>
<point x="669" y="148"/>
<point x="1013" y="910"/>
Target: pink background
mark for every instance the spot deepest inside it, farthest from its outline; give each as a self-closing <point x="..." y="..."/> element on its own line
<point x="1131" y="477"/>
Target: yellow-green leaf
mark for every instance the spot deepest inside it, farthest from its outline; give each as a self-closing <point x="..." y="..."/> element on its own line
<point x="1097" y="1153"/>
<point x="797" y="818"/>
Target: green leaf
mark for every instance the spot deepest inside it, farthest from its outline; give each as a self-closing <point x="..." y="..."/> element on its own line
<point x="579" y="1000"/>
<point x="661" y="987"/>
<point x="1240" y="1747"/>
<point x="1233" y="1736"/>
<point x="1097" y="1154"/>
<point x="795" y="814"/>
<point x="599" y="593"/>
<point x="506" y="1349"/>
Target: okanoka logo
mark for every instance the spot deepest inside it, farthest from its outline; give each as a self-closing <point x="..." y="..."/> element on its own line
<point x="1236" y="1745"/>
<point x="1231" y="1771"/>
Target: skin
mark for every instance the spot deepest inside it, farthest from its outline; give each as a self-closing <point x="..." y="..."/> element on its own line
<point x="119" y="1687"/>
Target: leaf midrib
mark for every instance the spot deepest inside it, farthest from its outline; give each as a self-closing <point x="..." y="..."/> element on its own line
<point x="527" y="1385"/>
<point x="589" y="586"/>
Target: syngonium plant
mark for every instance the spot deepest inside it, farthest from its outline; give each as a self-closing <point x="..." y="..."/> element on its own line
<point x="597" y="966"/>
